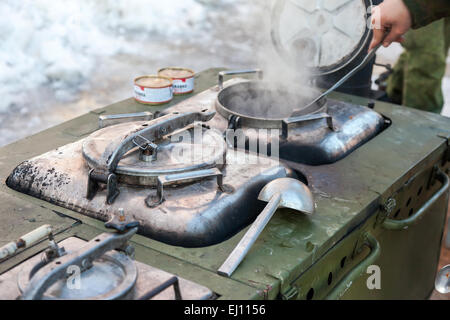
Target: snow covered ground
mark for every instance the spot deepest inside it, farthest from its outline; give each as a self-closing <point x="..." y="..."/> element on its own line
<point x="60" y="59"/>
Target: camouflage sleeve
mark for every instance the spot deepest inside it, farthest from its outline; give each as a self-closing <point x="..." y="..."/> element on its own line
<point x="424" y="12"/>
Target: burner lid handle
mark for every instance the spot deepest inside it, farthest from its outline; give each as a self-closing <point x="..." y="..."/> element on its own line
<point x="222" y="74"/>
<point x="177" y="178"/>
<point x="155" y="130"/>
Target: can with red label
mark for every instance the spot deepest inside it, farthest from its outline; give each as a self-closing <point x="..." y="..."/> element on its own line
<point x="183" y="79"/>
<point x="153" y="90"/>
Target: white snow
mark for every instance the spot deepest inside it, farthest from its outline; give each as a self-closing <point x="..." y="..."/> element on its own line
<point x="58" y="43"/>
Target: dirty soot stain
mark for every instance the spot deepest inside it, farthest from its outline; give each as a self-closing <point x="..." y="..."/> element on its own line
<point x="28" y="178"/>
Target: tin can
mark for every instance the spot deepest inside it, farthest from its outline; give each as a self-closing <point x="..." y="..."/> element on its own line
<point x="183" y="79"/>
<point x="153" y="90"/>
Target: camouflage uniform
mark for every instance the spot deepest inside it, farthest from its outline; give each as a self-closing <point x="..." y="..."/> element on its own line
<point x="417" y="78"/>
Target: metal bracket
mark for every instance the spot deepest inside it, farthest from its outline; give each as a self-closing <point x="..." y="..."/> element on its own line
<point x="308" y="118"/>
<point x="111" y="120"/>
<point x="234" y="122"/>
<point x="222" y="74"/>
<point x="176" y="178"/>
<point x="110" y="179"/>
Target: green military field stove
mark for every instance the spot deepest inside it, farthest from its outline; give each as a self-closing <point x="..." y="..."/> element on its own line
<point x="158" y="197"/>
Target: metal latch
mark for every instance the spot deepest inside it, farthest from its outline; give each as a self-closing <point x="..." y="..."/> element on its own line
<point x="148" y="150"/>
<point x="386" y="210"/>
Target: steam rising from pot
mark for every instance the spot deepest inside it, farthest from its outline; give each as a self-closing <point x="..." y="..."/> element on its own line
<point x="285" y="85"/>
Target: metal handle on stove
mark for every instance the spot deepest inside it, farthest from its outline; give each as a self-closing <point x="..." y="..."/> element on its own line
<point x="222" y="74"/>
<point x="341" y="288"/>
<point x="307" y="118"/>
<point x="391" y="224"/>
<point x="177" y="178"/>
<point x="155" y="130"/>
<point x="113" y="119"/>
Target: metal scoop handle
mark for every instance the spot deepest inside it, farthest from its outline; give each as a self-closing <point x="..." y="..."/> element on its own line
<point x="366" y="60"/>
<point x="241" y="250"/>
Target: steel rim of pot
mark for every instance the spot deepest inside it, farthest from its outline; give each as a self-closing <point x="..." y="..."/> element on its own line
<point x="257" y="122"/>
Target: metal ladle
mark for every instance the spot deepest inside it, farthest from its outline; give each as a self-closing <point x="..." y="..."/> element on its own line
<point x="366" y="60"/>
<point x="442" y="283"/>
<point x="280" y="193"/>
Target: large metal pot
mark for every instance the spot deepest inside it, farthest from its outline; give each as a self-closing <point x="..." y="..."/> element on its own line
<point x="259" y="104"/>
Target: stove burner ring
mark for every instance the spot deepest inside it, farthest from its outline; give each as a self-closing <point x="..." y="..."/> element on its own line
<point x="259" y="106"/>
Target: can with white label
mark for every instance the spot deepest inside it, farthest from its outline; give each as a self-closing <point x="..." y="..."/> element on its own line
<point x="183" y="79"/>
<point x="153" y="90"/>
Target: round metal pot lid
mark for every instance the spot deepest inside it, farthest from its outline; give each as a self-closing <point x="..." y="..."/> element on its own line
<point x="258" y="104"/>
<point x="113" y="276"/>
<point x="322" y="35"/>
<point x="183" y="151"/>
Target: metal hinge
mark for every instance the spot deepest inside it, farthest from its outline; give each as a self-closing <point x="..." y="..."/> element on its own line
<point x="109" y="179"/>
<point x="290" y="294"/>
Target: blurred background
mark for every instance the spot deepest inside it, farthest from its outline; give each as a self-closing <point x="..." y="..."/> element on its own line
<point x="60" y="59"/>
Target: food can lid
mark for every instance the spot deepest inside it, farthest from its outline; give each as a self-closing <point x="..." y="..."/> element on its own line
<point x="153" y="82"/>
<point x="176" y="73"/>
<point x="321" y="35"/>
